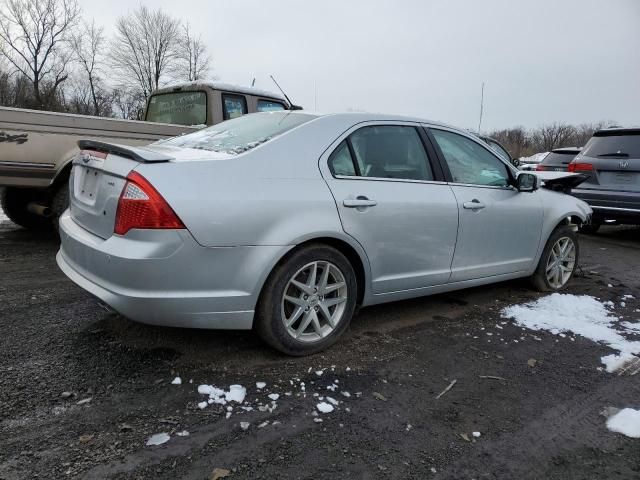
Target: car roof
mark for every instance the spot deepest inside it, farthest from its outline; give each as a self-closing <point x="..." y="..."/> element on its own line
<point x="605" y="132"/>
<point x="225" y="87"/>
<point x="567" y="150"/>
<point x="358" y="117"/>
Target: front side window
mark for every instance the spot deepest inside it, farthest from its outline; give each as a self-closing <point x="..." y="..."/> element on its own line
<point x="269" y="106"/>
<point x="391" y="151"/>
<point x="469" y="162"/>
<point x="180" y="108"/>
<point x="233" y="106"/>
<point x="241" y="134"/>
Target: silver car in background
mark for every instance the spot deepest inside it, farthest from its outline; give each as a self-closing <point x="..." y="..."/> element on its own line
<point x="288" y="221"/>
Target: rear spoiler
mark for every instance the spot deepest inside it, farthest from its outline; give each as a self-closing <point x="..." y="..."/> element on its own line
<point x="139" y="154"/>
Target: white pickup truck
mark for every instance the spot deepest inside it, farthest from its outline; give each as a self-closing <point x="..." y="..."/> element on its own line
<point x="36" y="148"/>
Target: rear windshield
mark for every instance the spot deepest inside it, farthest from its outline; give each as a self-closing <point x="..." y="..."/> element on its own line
<point x="180" y="108"/>
<point x="622" y="146"/>
<point x="241" y="134"/>
<point x="557" y="157"/>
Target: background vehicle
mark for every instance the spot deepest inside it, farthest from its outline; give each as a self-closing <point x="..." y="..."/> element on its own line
<point x="611" y="158"/>
<point x="531" y="162"/>
<point x="500" y="149"/>
<point x="287" y="221"/>
<point x="558" y="160"/>
<point x="37" y="147"/>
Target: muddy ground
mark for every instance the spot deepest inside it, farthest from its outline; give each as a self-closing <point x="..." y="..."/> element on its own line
<point x="540" y="420"/>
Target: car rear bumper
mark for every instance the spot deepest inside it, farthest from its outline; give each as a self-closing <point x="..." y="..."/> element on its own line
<point x="623" y="207"/>
<point x="163" y="277"/>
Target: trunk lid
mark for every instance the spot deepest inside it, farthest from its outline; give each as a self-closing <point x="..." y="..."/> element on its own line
<point x="98" y="176"/>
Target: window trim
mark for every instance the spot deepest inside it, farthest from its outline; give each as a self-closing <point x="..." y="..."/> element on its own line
<point x="243" y="98"/>
<point x="263" y="99"/>
<point x="447" y="172"/>
<point x="432" y="161"/>
<point x="206" y="104"/>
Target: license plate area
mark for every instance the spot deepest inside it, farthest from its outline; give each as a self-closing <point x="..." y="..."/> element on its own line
<point x="86" y="188"/>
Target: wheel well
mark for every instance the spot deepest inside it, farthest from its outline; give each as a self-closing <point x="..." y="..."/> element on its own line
<point x="62" y="176"/>
<point x="571" y="220"/>
<point x="348" y="251"/>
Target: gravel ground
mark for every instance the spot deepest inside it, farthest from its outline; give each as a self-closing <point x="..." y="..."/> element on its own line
<point x="81" y="389"/>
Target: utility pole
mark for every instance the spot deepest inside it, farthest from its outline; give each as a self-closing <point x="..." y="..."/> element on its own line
<point x="481" y="107"/>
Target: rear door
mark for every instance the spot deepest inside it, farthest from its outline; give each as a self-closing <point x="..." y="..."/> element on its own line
<point x="392" y="200"/>
<point x="500" y="227"/>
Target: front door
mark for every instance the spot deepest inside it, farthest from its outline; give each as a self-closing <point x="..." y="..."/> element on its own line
<point x="500" y="227"/>
<point x="390" y="201"/>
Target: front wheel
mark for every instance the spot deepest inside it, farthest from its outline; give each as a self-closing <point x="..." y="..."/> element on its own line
<point x="308" y="301"/>
<point x="559" y="260"/>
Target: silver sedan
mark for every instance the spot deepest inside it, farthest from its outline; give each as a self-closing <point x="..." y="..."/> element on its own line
<point x="287" y="222"/>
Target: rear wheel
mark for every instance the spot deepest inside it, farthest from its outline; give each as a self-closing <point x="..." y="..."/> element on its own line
<point x="15" y="201"/>
<point x="59" y="204"/>
<point x="559" y="260"/>
<point x="308" y="301"/>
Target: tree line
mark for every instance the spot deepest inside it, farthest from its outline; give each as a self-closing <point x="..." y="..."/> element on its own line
<point x="522" y="142"/>
<point x="51" y="58"/>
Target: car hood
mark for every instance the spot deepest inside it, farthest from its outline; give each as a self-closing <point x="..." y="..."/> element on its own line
<point x="560" y="181"/>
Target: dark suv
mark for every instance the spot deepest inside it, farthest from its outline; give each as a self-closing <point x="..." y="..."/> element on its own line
<point x="558" y="160"/>
<point x="611" y="158"/>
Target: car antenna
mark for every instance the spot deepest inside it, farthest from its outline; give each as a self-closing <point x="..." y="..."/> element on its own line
<point x="291" y="105"/>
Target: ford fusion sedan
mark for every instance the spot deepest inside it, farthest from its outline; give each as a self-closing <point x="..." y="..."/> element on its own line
<point x="287" y="222"/>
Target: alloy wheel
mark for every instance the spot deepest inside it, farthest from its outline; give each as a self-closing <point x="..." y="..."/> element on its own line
<point x="314" y="301"/>
<point x="561" y="262"/>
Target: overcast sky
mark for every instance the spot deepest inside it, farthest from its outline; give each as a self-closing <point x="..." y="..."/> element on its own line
<point x="542" y="61"/>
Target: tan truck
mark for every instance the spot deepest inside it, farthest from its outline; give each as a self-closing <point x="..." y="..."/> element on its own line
<point x="36" y="148"/>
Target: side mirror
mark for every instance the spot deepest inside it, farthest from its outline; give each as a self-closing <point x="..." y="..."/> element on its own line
<point x="527" y="182"/>
<point x="515" y="162"/>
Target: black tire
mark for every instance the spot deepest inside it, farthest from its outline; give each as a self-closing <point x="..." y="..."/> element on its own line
<point x="14" y="203"/>
<point x="539" y="278"/>
<point x="269" y="323"/>
<point x="59" y="204"/>
<point x="589" y="228"/>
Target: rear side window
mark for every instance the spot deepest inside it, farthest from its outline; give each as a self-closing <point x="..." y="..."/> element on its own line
<point x="341" y="162"/>
<point x="621" y="146"/>
<point x="496" y="147"/>
<point x="233" y="106"/>
<point x="390" y="151"/>
<point x="180" y="108"/>
<point x="556" y="157"/>
<point x="241" y="134"/>
<point x="269" y="106"/>
<point x="469" y="162"/>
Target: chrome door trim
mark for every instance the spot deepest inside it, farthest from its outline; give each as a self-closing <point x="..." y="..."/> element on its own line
<point x="617" y="209"/>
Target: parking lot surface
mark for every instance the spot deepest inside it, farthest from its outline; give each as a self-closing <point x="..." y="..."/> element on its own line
<point x="82" y="389"/>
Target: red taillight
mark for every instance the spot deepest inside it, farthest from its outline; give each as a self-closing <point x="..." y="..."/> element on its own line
<point x="141" y="206"/>
<point x="580" y="167"/>
<point x="540" y="168"/>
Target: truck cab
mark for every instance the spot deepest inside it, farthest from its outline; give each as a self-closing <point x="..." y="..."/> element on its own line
<point x="208" y="103"/>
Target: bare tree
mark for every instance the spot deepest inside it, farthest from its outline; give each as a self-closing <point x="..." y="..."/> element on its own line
<point x="88" y="46"/>
<point x="128" y="104"/>
<point x="553" y="135"/>
<point x="34" y="35"/>
<point x="193" y="59"/>
<point x="144" y="47"/>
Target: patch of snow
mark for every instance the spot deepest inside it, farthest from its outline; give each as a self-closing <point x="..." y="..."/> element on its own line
<point x="274" y="396"/>
<point x="319" y="372"/>
<point x="476" y="434"/>
<point x="176" y="381"/>
<point x="158" y="439"/>
<point x="202" y="405"/>
<point x="236" y="393"/>
<point x="582" y="315"/>
<point x="345" y="394"/>
<point x="628" y="297"/>
<point x="626" y="422"/>
<point x="260" y="385"/>
<point x="183" y="433"/>
<point x="244" y="425"/>
<point x="325" y="407"/>
<point x="332" y="400"/>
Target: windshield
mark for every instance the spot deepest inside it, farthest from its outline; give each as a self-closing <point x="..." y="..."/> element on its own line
<point x="242" y="133"/>
<point x="612" y="146"/>
<point x="180" y="108"/>
<point x="559" y="157"/>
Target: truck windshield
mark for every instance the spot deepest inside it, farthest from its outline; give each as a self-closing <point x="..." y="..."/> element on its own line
<point x="241" y="134"/>
<point x="180" y="108"/>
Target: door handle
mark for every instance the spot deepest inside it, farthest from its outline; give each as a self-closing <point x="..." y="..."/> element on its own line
<point x="359" y="202"/>
<point x="474" y="204"/>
